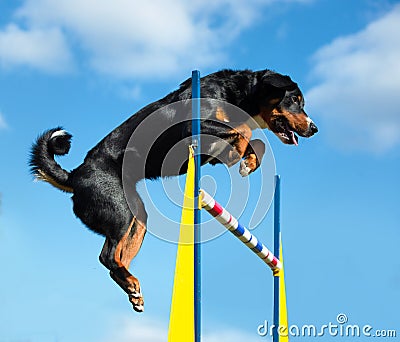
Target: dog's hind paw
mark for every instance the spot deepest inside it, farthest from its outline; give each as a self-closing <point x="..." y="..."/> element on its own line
<point x="137" y="301"/>
<point x="138" y="308"/>
<point x="135" y="295"/>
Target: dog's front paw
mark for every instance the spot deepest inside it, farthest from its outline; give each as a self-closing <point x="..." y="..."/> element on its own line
<point x="248" y="165"/>
<point x="244" y="170"/>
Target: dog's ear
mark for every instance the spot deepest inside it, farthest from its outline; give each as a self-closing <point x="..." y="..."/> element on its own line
<point x="278" y="81"/>
<point x="273" y="87"/>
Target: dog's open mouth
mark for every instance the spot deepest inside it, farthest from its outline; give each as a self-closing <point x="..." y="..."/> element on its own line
<point x="285" y="133"/>
<point x="288" y="137"/>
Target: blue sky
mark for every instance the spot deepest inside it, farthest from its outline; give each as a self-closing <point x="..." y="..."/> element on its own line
<point x="89" y="65"/>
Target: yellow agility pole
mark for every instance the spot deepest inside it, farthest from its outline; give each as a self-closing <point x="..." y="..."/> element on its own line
<point x="181" y="319"/>
<point x="281" y="329"/>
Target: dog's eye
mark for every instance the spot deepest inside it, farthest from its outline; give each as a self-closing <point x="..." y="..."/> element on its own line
<point x="295" y="99"/>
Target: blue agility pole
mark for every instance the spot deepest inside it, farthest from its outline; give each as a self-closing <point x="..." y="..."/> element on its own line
<point x="277" y="238"/>
<point x="197" y="215"/>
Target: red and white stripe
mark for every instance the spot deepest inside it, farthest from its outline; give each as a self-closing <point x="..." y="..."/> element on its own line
<point x="242" y="233"/>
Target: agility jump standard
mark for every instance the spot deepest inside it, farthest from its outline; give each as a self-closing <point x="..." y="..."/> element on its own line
<point x="224" y="217"/>
<point x="185" y="314"/>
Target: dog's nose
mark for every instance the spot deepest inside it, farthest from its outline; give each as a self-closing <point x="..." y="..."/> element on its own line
<point x="313" y="128"/>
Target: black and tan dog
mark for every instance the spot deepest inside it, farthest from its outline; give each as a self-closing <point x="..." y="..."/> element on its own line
<point x="271" y="100"/>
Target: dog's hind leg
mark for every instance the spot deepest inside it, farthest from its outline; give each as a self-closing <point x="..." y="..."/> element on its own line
<point x="118" y="252"/>
<point x="117" y="256"/>
<point x="129" y="249"/>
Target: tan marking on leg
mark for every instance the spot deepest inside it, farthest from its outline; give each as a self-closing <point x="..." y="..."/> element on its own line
<point x="131" y="247"/>
<point x="133" y="244"/>
<point x="221" y="115"/>
<point x="239" y="141"/>
<point x="251" y="161"/>
<point x="117" y="256"/>
<point x="252" y="158"/>
<point x="244" y="134"/>
<point x="121" y="244"/>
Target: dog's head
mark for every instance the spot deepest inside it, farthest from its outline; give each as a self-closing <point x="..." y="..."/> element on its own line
<point x="280" y="108"/>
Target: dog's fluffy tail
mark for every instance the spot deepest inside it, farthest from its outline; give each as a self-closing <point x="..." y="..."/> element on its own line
<point x="53" y="142"/>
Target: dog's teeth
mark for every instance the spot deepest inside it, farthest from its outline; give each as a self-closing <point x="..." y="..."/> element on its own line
<point x="284" y="136"/>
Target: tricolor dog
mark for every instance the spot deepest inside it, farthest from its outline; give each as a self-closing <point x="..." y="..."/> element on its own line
<point x="271" y="100"/>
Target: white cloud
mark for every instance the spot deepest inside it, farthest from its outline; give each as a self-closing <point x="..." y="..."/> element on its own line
<point x="141" y="329"/>
<point x="132" y="38"/>
<point x="3" y="123"/>
<point x="144" y="330"/>
<point x="44" y="49"/>
<point x="358" y="81"/>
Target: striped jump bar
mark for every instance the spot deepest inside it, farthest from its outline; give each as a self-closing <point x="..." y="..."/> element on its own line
<point x="241" y="232"/>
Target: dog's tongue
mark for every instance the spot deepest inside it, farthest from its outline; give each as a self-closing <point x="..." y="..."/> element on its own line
<point x="294" y="138"/>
